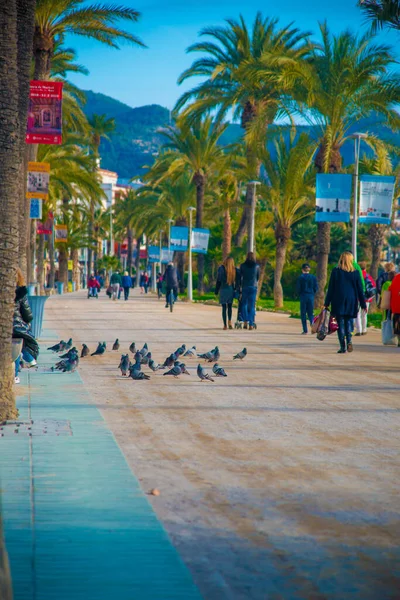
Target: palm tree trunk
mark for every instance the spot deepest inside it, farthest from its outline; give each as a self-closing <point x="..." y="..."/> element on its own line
<point x="376" y="236"/>
<point x="40" y="263"/>
<point x="129" y="235"/>
<point x="63" y="265"/>
<point x="90" y="236"/>
<point x="137" y="261"/>
<point x="10" y="170"/>
<point x="242" y="228"/>
<point x="227" y="236"/>
<point x="263" y="267"/>
<point x="199" y="181"/>
<point x="282" y="236"/>
<point x="52" y="276"/>
<point x="5" y="576"/>
<point x="76" y="272"/>
<point x="323" y="249"/>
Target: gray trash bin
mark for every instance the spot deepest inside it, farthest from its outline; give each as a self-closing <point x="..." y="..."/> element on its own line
<point x="37" y="305"/>
<point x="60" y="287"/>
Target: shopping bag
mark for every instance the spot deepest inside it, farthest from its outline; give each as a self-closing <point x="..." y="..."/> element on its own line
<point x="385" y="300"/>
<point x="333" y="325"/>
<point x="388" y="338"/>
<point x="317" y="321"/>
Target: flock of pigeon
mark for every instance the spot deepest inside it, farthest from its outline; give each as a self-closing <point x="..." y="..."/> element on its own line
<point x="70" y="359"/>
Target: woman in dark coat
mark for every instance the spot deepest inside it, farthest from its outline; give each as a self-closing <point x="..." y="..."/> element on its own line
<point x="227" y="284"/>
<point x="344" y="295"/>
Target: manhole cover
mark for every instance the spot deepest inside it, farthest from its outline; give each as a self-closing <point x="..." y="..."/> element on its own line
<point x="49" y="427"/>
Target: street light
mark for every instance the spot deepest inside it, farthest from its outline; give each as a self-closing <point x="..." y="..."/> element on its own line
<point x="357" y="137"/>
<point x="250" y="224"/>
<point x="190" y="270"/>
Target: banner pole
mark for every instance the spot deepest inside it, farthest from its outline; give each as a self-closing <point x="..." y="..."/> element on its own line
<point x="190" y="270"/>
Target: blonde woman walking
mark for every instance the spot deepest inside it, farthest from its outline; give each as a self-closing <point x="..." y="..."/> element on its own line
<point x="227" y="279"/>
<point x="344" y="295"/>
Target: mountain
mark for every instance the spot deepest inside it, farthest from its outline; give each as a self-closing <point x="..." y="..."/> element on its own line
<point x="137" y="138"/>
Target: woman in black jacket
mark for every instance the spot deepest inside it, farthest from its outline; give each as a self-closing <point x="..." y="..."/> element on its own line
<point x="344" y="295"/>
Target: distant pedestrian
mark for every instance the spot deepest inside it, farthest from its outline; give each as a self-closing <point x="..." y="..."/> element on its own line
<point x="307" y="287"/>
<point x="249" y="275"/>
<point x="387" y="314"/>
<point x="344" y="295"/>
<point x="227" y="285"/>
<point x="126" y="284"/>
<point x="394" y="290"/>
<point x="142" y="282"/>
<point x="369" y="294"/>
<point x="146" y="282"/>
<point x="171" y="282"/>
<point x="382" y="278"/>
<point x="159" y="283"/>
<point x="115" y="283"/>
<point x="93" y="286"/>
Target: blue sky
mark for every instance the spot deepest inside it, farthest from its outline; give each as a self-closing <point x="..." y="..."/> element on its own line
<point x="148" y="76"/>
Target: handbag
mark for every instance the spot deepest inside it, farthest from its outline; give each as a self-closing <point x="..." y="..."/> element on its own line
<point x="321" y="324"/>
<point x="317" y="322"/>
<point x="385" y="300"/>
<point x="333" y="325"/>
<point x="388" y="338"/>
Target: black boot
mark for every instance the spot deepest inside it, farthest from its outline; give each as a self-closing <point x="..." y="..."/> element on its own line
<point x="342" y="349"/>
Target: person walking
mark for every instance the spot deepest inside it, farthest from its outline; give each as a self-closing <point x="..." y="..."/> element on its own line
<point x="126" y="284"/>
<point x="344" y="295"/>
<point x="171" y="282"/>
<point x="159" y="282"/>
<point x="249" y="275"/>
<point x="146" y="282"/>
<point x="394" y="290"/>
<point x="307" y="287"/>
<point x="227" y="286"/>
<point x="383" y="278"/>
<point x="369" y="295"/>
<point x="115" y="283"/>
<point x="142" y="282"/>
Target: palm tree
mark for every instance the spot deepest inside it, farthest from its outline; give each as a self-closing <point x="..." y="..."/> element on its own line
<point x="226" y="56"/>
<point x="124" y="221"/>
<point x="194" y="148"/>
<point x="288" y="191"/>
<point x="345" y="79"/>
<point x="382" y="13"/>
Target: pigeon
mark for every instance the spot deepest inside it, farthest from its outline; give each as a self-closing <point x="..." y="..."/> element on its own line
<point x="191" y="352"/>
<point x="116" y="345"/>
<point x="175" y="371"/>
<point x="68" y="345"/>
<point x="219" y="371"/>
<point x="144" y="350"/>
<point x="182" y="367"/>
<point x="132" y="348"/>
<point x="58" y="347"/>
<point x="153" y="366"/>
<point x="145" y="359"/>
<point x="202" y="374"/>
<point x="70" y="366"/>
<point x="169" y="361"/>
<point x="85" y="351"/>
<point x="100" y="349"/>
<point x="124" y="365"/>
<point x="70" y="358"/>
<point x="179" y="351"/>
<point x="241" y="354"/>
<point x="70" y="351"/>
<point x="138" y="356"/>
<point x="215" y="355"/>
<point x="139" y="375"/>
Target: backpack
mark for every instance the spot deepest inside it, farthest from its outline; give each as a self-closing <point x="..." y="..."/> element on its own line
<point x="370" y="289"/>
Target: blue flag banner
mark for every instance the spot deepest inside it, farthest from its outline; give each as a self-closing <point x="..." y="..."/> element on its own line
<point x="35" y="211"/>
<point x="333" y="198"/>
<point x="376" y="198"/>
<point x="166" y="256"/>
<point x="200" y="239"/>
<point x="179" y="239"/>
<point x="154" y="254"/>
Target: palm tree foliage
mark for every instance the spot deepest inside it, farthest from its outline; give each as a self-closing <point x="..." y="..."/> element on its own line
<point x="382" y="13"/>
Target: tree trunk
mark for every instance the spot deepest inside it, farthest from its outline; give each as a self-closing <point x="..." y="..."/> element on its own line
<point x="227" y="239"/>
<point x="376" y="236"/>
<point x="32" y="250"/>
<point x="242" y="228"/>
<point x="263" y="267"/>
<point x="76" y="272"/>
<point x="282" y="236"/>
<point x="137" y="261"/>
<point x="10" y="172"/>
<point x="5" y="576"/>
<point x="40" y="263"/>
<point x="129" y="235"/>
<point x="323" y="249"/>
<point x="200" y="183"/>
<point x="52" y="276"/>
<point x="63" y="265"/>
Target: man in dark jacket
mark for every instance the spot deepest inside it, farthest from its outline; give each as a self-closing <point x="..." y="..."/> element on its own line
<point x="171" y="281"/>
<point x="249" y="275"/>
<point x="306" y="288"/>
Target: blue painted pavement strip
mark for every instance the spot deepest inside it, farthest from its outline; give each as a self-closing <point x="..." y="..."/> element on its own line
<point x="77" y="524"/>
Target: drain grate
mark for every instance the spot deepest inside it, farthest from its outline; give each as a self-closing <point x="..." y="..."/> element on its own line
<point x="49" y="427"/>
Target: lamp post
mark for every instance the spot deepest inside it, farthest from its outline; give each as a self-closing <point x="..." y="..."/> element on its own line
<point x="250" y="225"/>
<point x="111" y="231"/>
<point x="190" y="270"/>
<point x="161" y="233"/>
<point x="170" y="221"/>
<point x="357" y="137"/>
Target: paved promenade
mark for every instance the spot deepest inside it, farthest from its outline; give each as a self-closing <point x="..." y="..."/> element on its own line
<point x="279" y="482"/>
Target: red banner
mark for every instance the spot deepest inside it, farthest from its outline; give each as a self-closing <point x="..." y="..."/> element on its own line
<point x="143" y="253"/>
<point x="45" y="228"/>
<point x="45" y="113"/>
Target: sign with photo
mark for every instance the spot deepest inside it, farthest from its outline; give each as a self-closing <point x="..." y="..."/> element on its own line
<point x="154" y="254"/>
<point x="179" y="238"/>
<point x="166" y="256"/>
<point x="45" y="228"/>
<point x="35" y="211"/>
<point x="333" y="198"/>
<point x="61" y="233"/>
<point x="44" y="125"/>
<point x="376" y="198"/>
<point x="200" y="238"/>
<point x="38" y="180"/>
